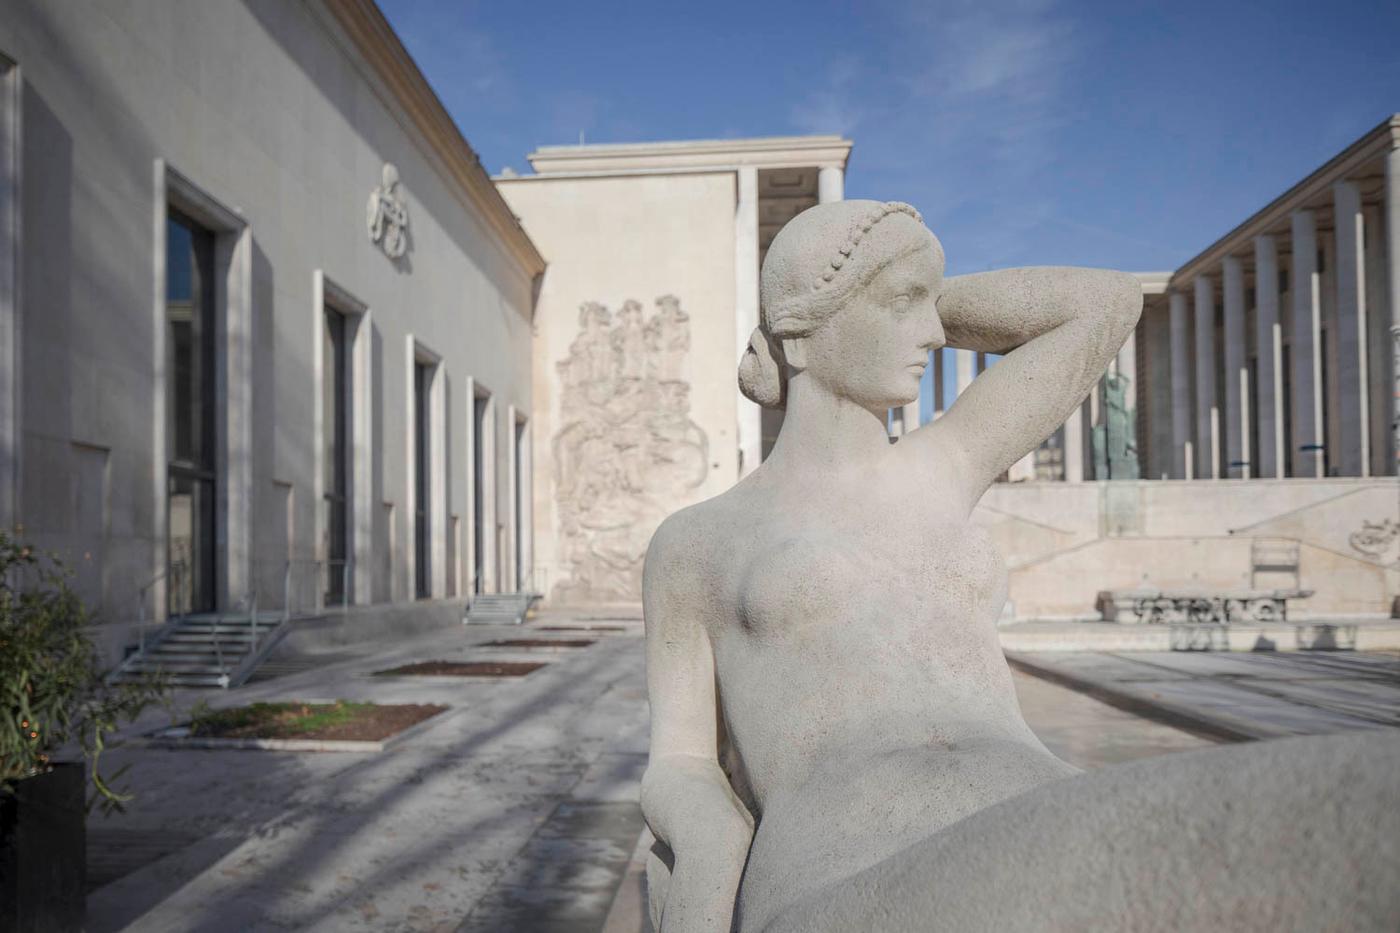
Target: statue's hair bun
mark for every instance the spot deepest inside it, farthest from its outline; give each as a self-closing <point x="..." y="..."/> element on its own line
<point x="761" y="371"/>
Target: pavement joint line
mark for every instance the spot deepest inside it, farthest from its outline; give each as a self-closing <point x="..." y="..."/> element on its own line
<point x="1189" y="719"/>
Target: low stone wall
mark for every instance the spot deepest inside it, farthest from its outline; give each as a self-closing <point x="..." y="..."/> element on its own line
<point x="1064" y="543"/>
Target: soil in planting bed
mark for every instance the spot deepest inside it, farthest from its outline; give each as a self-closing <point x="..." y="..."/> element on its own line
<point x="539" y="643"/>
<point x="463" y="669"/>
<point x="365" y="722"/>
<point x="579" y="628"/>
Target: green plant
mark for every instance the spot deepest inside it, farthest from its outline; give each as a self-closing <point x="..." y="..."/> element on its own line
<point x="51" y="686"/>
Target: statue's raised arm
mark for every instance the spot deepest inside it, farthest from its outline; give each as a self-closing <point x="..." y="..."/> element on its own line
<point x="1058" y="328"/>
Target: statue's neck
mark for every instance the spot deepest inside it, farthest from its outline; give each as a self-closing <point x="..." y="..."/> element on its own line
<point x="825" y="432"/>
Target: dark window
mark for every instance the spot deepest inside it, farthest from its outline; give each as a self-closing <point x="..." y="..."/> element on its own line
<point x="479" y="407"/>
<point x="1282" y="281"/>
<point x="189" y="348"/>
<point x="335" y="452"/>
<point x="422" y="383"/>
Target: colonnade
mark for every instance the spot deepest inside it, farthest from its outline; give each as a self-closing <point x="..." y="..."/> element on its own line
<point x="1282" y="356"/>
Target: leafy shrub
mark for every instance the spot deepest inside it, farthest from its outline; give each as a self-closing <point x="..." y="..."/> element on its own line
<point x="51" y="686"/>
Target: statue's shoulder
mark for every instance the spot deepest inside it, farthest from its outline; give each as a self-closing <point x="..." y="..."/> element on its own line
<point x="691" y="539"/>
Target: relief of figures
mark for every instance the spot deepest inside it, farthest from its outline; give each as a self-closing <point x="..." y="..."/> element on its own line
<point x="627" y="453"/>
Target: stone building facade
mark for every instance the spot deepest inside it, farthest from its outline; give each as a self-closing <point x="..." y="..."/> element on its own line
<point x="264" y="320"/>
<point x="650" y="297"/>
<point x="1259" y="394"/>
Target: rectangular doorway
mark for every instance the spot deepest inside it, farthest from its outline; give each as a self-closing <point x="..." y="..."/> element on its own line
<point x="422" y="462"/>
<point x="335" y="460"/>
<point x="482" y="537"/>
<point x="190" y="342"/>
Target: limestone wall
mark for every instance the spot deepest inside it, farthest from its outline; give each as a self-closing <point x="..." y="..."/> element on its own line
<point x="265" y="108"/>
<point x="1065" y="542"/>
<point x="634" y="367"/>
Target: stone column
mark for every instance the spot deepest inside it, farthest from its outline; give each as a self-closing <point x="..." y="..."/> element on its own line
<point x="1183" y="464"/>
<point x="1392" y="263"/>
<point x="962" y="369"/>
<point x="1270" y="458"/>
<point x="831" y="184"/>
<point x="1126" y="365"/>
<point x="1307" y="454"/>
<point x="1074" y="447"/>
<point x="749" y="417"/>
<point x="1207" y="407"/>
<point x="1354" y="422"/>
<point x="1236" y="373"/>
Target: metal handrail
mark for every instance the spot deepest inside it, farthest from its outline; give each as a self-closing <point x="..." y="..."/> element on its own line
<point x="170" y="570"/>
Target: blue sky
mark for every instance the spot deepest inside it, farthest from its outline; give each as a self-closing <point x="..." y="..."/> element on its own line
<point x="1119" y="134"/>
<point x="1125" y="134"/>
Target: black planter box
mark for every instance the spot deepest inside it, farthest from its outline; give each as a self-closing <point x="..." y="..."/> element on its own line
<point x="43" y="858"/>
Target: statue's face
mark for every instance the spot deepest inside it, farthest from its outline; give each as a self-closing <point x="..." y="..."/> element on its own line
<point x="874" y="350"/>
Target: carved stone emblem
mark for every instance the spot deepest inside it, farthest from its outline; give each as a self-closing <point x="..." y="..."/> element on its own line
<point x="1374" y="538"/>
<point x="387" y="214"/>
<point x="626" y="452"/>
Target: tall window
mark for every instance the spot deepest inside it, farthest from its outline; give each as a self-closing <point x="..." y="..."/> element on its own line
<point x="335" y="455"/>
<point x="422" y="385"/>
<point x="191" y="477"/>
<point x="479" y="536"/>
<point x="518" y="470"/>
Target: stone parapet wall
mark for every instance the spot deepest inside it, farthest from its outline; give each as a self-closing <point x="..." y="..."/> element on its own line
<point x="1063" y="543"/>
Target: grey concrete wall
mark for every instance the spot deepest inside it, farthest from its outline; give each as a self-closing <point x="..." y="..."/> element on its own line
<point x="263" y="108"/>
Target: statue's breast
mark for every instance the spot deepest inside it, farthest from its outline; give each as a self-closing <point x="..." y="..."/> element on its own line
<point x="912" y="567"/>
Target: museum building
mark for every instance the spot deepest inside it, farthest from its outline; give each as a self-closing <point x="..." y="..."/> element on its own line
<point x="264" y="319"/>
<point x="1245" y="439"/>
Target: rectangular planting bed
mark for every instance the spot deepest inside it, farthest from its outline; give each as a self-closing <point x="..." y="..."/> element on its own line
<point x="463" y="669"/>
<point x="539" y="643"/>
<point x="317" y="727"/>
<point x="579" y="628"/>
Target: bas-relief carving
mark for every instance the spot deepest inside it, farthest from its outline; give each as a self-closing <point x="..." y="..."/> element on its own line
<point x="1374" y="539"/>
<point x="626" y="452"/>
<point x="387" y="214"/>
<point x="836" y="742"/>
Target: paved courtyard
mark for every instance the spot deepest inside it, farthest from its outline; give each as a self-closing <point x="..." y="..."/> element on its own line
<point x="515" y="810"/>
<point x="1253" y="695"/>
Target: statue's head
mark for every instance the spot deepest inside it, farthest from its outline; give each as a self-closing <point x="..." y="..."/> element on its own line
<point x="389" y="176"/>
<point x="849" y="297"/>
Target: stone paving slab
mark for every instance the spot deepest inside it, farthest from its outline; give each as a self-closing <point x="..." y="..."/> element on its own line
<point x="414" y="838"/>
<point x="517" y="808"/>
<point x="1237" y="696"/>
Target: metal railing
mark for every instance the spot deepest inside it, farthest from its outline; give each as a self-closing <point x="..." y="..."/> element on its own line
<point x="175" y="572"/>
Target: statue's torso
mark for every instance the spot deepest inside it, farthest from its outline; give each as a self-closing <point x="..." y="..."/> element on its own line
<point x="861" y="682"/>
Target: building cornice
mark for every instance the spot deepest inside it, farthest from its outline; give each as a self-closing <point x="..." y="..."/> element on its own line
<point x="380" y="48"/>
<point x="1372" y="145"/>
<point x="717" y="154"/>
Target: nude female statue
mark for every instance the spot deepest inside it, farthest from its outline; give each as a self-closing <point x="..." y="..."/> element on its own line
<point x="836" y="741"/>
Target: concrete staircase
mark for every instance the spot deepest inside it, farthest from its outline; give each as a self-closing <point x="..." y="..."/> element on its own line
<point x="206" y="650"/>
<point x="500" y="608"/>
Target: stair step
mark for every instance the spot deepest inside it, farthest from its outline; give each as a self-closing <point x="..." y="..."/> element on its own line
<point x="193" y="657"/>
<point x="152" y="666"/>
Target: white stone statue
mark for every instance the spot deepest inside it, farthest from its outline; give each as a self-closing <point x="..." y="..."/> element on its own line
<point x="836" y="742"/>
<point x="387" y="214"/>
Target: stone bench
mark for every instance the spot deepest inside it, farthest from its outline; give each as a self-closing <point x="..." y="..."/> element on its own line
<point x="1197" y="606"/>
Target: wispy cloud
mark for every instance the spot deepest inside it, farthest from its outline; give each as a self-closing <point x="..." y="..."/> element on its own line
<point x="834" y="106"/>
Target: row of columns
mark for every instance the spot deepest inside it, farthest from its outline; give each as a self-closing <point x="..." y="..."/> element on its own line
<point x="1199" y="431"/>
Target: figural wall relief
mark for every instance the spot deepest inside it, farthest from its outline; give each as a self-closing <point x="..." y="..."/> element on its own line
<point x="626" y="453"/>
